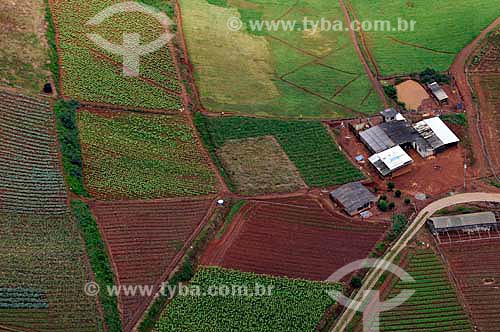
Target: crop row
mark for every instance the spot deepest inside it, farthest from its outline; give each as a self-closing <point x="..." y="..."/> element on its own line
<point x="43" y="264"/>
<point x="31" y="180"/>
<point x="100" y="72"/>
<point x="143" y="238"/>
<point x="308" y="145"/>
<point x="434" y="305"/>
<point x="291" y="305"/>
<point x="170" y="162"/>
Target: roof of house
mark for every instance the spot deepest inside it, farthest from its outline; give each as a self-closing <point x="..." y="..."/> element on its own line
<point x="352" y="196"/>
<point x="390" y="160"/>
<point x="390" y="112"/>
<point x="464" y="220"/>
<point x="438" y="91"/>
<point x="436" y="132"/>
<point x="376" y="139"/>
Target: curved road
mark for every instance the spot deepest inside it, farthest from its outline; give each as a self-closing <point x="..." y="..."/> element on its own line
<point x="374" y="275"/>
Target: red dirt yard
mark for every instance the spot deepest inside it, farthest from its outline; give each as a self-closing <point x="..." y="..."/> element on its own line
<point x="294" y="237"/>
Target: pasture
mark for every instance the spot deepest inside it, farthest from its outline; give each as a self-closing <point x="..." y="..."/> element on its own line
<point x="442" y="30"/>
<point x="170" y="162"/>
<point x="23" y="49"/>
<point x="295" y="73"/>
<point x="293" y="306"/>
<point x="307" y="144"/>
<point x="93" y="74"/>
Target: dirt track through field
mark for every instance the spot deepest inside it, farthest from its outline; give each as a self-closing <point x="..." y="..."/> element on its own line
<point x="460" y="72"/>
<point x="376" y="84"/>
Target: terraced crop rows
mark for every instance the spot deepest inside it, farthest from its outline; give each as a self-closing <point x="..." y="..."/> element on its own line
<point x="295" y="238"/>
<point x="30" y="175"/>
<point x="44" y="257"/>
<point x="308" y="145"/>
<point x="143" y="238"/>
<point x="434" y="306"/>
<point x="476" y="265"/>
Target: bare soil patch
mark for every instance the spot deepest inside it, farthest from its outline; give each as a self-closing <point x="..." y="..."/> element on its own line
<point x="412" y="94"/>
<point x="259" y="165"/>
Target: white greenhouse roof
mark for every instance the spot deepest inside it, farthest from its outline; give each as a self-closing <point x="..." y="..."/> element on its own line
<point x="392" y="158"/>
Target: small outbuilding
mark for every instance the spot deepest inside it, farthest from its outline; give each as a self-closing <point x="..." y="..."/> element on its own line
<point x="389" y="114"/>
<point x="438" y="92"/>
<point x="354" y="198"/>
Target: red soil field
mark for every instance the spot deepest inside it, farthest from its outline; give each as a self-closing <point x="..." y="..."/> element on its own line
<point x="144" y="239"/>
<point x="476" y="268"/>
<point x="292" y="237"/>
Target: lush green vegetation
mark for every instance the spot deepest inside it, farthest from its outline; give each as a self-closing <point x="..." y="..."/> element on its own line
<point x="292" y="72"/>
<point x="170" y="162"/>
<point x="99" y="72"/>
<point x="46" y="254"/>
<point x="308" y="145"/>
<point x="229" y="219"/>
<point x="294" y="305"/>
<point x="100" y="262"/>
<point x="69" y="140"/>
<point x="434" y="306"/>
<point x="459" y="119"/>
<point x="440" y="32"/>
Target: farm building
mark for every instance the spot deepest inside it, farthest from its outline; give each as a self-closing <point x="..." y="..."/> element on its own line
<point x="435" y="137"/>
<point x="391" y="114"/>
<point x="391" y="160"/>
<point x="464" y="227"/>
<point x="354" y="198"/>
<point x="388" y="135"/>
<point x="438" y="92"/>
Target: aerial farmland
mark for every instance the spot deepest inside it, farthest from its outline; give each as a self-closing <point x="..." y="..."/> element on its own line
<point x="249" y="165"/>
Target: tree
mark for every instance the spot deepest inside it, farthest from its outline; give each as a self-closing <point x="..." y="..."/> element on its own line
<point x="356" y="282"/>
<point x="391" y="186"/>
<point x="392" y="206"/>
<point x="398" y="193"/>
<point x="383" y="198"/>
<point x="391" y="92"/>
<point x="407" y="201"/>
<point x="383" y="205"/>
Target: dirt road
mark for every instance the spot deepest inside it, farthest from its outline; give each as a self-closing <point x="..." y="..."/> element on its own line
<point x="376" y="84"/>
<point x="374" y="275"/>
<point x="459" y="69"/>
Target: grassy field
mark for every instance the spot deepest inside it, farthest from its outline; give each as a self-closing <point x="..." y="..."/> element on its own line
<point x="45" y="256"/>
<point x="99" y="72"/>
<point x="434" y="306"/>
<point x="259" y="165"/>
<point x="169" y="164"/>
<point x="280" y="73"/>
<point x="23" y="50"/>
<point x="308" y="145"/>
<point x="292" y="306"/>
<point x="440" y="33"/>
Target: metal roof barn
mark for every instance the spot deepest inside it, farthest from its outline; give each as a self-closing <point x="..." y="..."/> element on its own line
<point x="354" y="197"/>
<point x="390" y="160"/>
<point x="462" y="221"/>
<point x="438" y="92"/>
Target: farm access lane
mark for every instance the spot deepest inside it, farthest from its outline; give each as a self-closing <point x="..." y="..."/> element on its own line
<point x="459" y="70"/>
<point x="374" y="275"/>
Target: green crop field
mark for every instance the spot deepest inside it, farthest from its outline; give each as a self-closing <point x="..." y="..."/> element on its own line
<point x="307" y="143"/>
<point x="434" y="306"/>
<point x="170" y="162"/>
<point x="291" y="306"/>
<point x="43" y="259"/>
<point x="23" y="51"/>
<point x="441" y="31"/>
<point x="94" y="74"/>
<point x="293" y="73"/>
